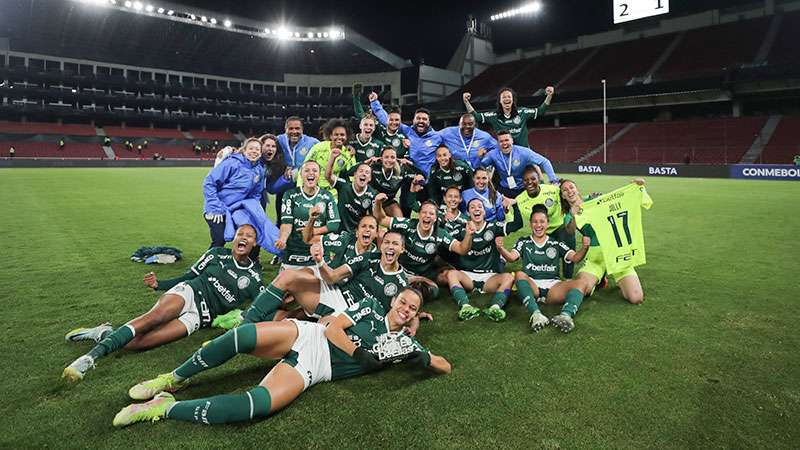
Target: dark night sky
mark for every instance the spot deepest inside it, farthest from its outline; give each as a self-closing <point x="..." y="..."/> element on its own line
<point x="431" y="30"/>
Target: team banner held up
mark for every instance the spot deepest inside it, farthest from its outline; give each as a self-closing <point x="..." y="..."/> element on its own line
<point x="616" y="217"/>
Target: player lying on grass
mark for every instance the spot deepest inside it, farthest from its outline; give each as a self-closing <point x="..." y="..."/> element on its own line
<point x="539" y="280"/>
<point x="423" y="240"/>
<point x="594" y="269"/>
<point x="311" y="353"/>
<point x="315" y="288"/>
<point x="221" y="280"/>
<point x="477" y="269"/>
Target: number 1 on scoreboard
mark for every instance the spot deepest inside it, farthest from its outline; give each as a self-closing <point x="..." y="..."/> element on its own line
<point x="627" y="10"/>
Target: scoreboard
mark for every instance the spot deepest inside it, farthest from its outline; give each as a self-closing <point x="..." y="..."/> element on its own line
<point x="627" y="10"/>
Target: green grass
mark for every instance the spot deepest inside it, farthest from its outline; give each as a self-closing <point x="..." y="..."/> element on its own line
<point x="710" y="360"/>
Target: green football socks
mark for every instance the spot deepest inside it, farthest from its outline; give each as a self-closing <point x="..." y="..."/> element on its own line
<point x="264" y="306"/>
<point x="573" y="302"/>
<point x="528" y="297"/>
<point x="113" y="341"/>
<point x="253" y="404"/>
<point x="218" y="351"/>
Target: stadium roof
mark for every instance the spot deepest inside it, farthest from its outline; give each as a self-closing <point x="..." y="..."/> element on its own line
<point x="77" y="30"/>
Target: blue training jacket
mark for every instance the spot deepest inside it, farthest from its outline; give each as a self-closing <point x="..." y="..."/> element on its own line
<point x="466" y="149"/>
<point x="520" y="157"/>
<point x="233" y="180"/>
<point x="296" y="156"/>
<point x="493" y="211"/>
<point x="423" y="148"/>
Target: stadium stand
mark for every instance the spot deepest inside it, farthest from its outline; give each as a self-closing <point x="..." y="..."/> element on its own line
<point x="566" y="144"/>
<point x="33" y="149"/>
<point x="784" y="143"/>
<point x="709" y="51"/>
<point x="786" y="47"/>
<point x="704" y="141"/>
<point x="46" y="128"/>
<point x="143" y="133"/>
<point x="212" y="135"/>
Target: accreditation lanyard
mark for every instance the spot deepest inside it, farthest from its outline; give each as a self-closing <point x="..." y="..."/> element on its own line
<point x="510" y="157"/>
<point x="292" y="149"/>
<point x="464" y="143"/>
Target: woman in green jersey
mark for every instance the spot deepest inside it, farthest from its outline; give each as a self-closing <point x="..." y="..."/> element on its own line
<point x="508" y="115"/>
<point x="221" y="280"/>
<point x="362" y="339"/>
<point x="539" y="278"/>
<point x="593" y="271"/>
<point x="447" y="172"/>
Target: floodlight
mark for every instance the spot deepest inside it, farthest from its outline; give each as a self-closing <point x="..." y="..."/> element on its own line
<point x="128" y="4"/>
<point x="138" y="6"/>
<point x="170" y="12"/>
<point x="203" y="19"/>
<point x="160" y="10"/>
<point x="227" y="23"/>
<point x="149" y="8"/>
<point x="213" y="21"/>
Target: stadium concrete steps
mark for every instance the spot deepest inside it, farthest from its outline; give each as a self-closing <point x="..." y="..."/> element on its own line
<point x="613" y="138"/>
<point x="761" y="140"/>
<point x="648" y="77"/>
<point x="110" y="154"/>
<point x="575" y="69"/>
<point x="769" y="39"/>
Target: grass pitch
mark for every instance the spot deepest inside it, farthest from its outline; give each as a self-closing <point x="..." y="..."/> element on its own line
<point x="709" y="360"/>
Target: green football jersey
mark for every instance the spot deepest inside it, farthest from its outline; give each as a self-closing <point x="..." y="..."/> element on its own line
<point x="483" y="257"/>
<point x="365" y="150"/>
<point x="369" y="279"/>
<point x="550" y="197"/>
<point x="382" y="134"/>
<point x="294" y="211"/>
<point x="394" y="140"/>
<point x="452" y="227"/>
<point x="390" y="182"/>
<point x="616" y="217"/>
<point x="516" y="125"/>
<point x="370" y="331"/>
<point x="321" y="154"/>
<point x="353" y="206"/>
<point x="339" y="247"/>
<point x="420" y="251"/>
<point x="440" y="180"/>
<point x="541" y="262"/>
<point x="220" y="284"/>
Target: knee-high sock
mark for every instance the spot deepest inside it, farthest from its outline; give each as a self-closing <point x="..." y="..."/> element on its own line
<point x="573" y="302"/>
<point x="113" y="341"/>
<point x="459" y="295"/>
<point x="500" y="297"/>
<point x="528" y="298"/>
<point x="219" y="350"/>
<point x="253" y="404"/>
<point x="264" y="306"/>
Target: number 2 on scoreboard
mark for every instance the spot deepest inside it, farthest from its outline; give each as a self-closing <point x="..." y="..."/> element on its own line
<point x="624" y="216"/>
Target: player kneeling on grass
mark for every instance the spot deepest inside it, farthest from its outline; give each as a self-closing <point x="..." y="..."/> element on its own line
<point x="478" y="268"/>
<point x="311" y="353"/>
<point x="221" y="280"/>
<point x="539" y="278"/>
<point x="594" y="271"/>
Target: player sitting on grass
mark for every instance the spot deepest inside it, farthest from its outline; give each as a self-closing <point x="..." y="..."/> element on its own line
<point x="219" y="281"/>
<point x="364" y="338"/>
<point x="539" y="278"/>
<point x="423" y="240"/>
<point x="478" y="268"/>
<point x="594" y="269"/>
